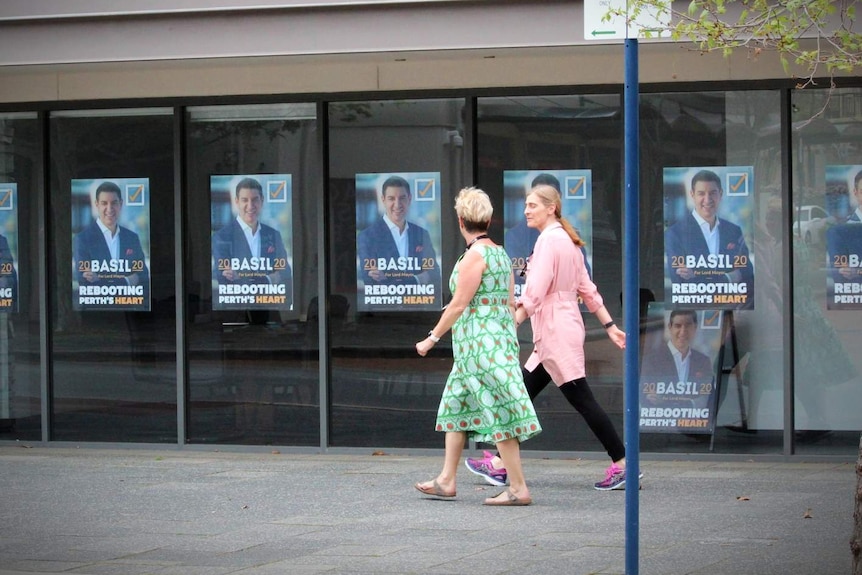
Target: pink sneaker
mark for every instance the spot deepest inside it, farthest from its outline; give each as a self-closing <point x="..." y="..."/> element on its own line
<point x="615" y="478"/>
<point x="484" y="469"/>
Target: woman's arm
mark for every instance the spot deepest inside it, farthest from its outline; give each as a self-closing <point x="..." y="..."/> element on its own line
<point x="617" y="335"/>
<point x="470" y="270"/>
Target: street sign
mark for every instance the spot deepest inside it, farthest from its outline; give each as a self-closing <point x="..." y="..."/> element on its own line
<point x="648" y="24"/>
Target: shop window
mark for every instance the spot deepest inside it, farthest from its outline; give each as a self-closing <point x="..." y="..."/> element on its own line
<point x="827" y="281"/>
<point x="20" y="394"/>
<point x="711" y="161"/>
<point x="382" y="392"/>
<point x="113" y="330"/>
<point x="252" y="194"/>
<point x="573" y="142"/>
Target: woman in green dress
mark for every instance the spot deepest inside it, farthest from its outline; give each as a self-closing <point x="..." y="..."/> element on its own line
<point x="484" y="397"/>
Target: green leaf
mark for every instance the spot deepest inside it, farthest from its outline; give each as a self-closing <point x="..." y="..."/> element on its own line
<point x="773" y="25"/>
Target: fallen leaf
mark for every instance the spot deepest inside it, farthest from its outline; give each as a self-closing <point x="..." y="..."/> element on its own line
<point x="743" y="498"/>
<point x="807" y="514"/>
<point x="379" y="453"/>
<point x="276" y="452"/>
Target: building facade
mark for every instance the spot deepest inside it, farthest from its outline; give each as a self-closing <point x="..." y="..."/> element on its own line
<point x="180" y="339"/>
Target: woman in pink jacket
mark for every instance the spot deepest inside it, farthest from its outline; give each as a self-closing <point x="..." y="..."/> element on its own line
<point x="556" y="277"/>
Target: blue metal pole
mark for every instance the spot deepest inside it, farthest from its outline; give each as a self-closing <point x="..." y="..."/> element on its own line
<point x="631" y="305"/>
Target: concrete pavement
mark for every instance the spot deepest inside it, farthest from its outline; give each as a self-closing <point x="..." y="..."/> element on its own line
<point x="103" y="511"/>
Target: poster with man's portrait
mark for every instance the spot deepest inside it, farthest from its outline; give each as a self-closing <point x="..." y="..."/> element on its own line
<point x="8" y="248"/>
<point x="111" y="244"/>
<point x="708" y="218"/>
<point x="252" y="238"/>
<point x="398" y="241"/>
<point x="677" y="385"/>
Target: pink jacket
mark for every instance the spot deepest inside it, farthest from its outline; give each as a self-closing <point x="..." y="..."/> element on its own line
<point x="556" y="276"/>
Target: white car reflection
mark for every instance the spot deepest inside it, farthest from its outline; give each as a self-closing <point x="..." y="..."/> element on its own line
<point x="809" y="223"/>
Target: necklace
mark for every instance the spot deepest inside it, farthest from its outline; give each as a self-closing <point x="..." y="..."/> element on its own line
<point x="474" y="240"/>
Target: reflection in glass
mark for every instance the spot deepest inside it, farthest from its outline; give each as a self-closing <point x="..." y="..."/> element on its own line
<point x="828" y="351"/>
<point x="705" y="130"/>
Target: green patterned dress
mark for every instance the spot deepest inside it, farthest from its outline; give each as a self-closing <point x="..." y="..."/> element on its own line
<point x="485" y="394"/>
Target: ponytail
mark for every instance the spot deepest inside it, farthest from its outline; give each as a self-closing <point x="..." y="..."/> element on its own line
<point x="576" y="239"/>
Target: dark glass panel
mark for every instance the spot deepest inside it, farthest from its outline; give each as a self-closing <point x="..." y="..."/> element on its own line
<point x="113" y="364"/>
<point x="382" y="392"/>
<point x="253" y="368"/>
<point x="20" y="394"/>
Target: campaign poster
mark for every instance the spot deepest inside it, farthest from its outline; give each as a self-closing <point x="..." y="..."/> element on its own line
<point x="402" y="275"/>
<point x="677" y="379"/>
<point x="576" y="194"/>
<point x="111" y="244"/>
<point x="8" y="248"/>
<point x="252" y="241"/>
<point x="708" y="218"/>
<point x="844" y="238"/>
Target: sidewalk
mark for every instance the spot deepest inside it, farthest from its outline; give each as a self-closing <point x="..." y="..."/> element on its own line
<point x="191" y="512"/>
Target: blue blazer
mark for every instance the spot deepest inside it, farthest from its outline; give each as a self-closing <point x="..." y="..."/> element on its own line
<point x="89" y="244"/>
<point x="376" y="241"/>
<point x="520" y="239"/>
<point x="229" y="242"/>
<point x="684" y="238"/>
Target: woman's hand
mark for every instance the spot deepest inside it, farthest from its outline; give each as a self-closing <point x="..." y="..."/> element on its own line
<point x="424" y="346"/>
<point x="520" y="315"/>
<point x="617" y="336"/>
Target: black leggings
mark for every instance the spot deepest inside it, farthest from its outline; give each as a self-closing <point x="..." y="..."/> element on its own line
<point x="578" y="393"/>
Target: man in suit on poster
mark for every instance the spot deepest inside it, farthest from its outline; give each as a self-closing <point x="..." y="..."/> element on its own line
<point x="246" y="240"/>
<point x="393" y="238"/>
<point x="704" y="236"/>
<point x="117" y="250"/>
<point x="676" y="360"/>
<point x="675" y="375"/>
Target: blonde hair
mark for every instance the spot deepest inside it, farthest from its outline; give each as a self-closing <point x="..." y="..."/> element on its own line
<point x="474" y="208"/>
<point x="550" y="196"/>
